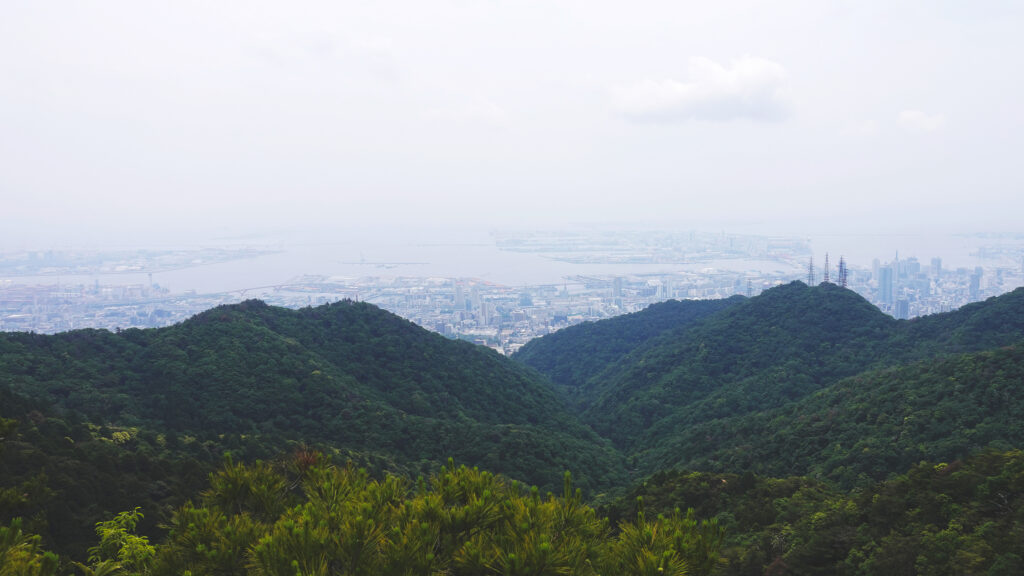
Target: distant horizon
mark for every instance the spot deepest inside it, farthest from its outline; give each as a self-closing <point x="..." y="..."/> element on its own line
<point x="465" y="253"/>
<point x="11" y="239"/>
<point x="128" y="124"/>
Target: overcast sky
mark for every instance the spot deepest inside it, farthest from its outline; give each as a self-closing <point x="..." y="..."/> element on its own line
<point x="129" y="119"/>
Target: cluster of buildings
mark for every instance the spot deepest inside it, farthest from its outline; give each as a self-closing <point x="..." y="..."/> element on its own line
<point x="506" y="317"/>
<point x="50" y="308"/>
<point x="907" y="288"/>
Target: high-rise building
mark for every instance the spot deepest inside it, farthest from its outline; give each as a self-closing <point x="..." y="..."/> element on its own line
<point x="936" y="267"/>
<point x="911" y="267"/>
<point x="886" y="285"/>
<point x="474" y="295"/>
<point x="485" y="314"/>
<point x="974" y="292"/>
<point x="460" y="298"/>
<point x="902" y="309"/>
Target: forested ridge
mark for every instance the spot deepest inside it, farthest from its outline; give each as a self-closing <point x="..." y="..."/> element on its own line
<point x="720" y="393"/>
<point x="783" y="420"/>
<point x="576" y="355"/>
<point x="349" y="375"/>
<point x="254" y="381"/>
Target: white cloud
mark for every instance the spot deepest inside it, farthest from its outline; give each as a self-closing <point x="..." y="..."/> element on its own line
<point x="922" y="121"/>
<point x="752" y="88"/>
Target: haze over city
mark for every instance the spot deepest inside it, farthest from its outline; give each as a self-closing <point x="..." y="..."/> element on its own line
<point x="454" y="287"/>
<point x="129" y="124"/>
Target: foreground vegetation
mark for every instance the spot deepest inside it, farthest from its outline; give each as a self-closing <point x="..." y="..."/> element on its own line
<point x="307" y="517"/>
<point x="960" y="517"/>
<point x="302" y="515"/>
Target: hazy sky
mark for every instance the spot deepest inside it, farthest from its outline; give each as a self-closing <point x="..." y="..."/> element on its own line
<point x="131" y="119"/>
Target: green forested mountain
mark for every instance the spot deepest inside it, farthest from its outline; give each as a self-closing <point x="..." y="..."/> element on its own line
<point x="802" y="409"/>
<point x="762" y="353"/>
<point x="977" y="326"/>
<point x="577" y="355"/>
<point x="865" y="427"/>
<point x="346" y="375"/>
<point x="61" y="474"/>
<point x="103" y="418"/>
<point x="709" y="395"/>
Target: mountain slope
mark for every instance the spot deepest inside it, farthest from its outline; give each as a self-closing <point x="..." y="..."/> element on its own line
<point x="665" y="402"/>
<point x="346" y="375"/>
<point x="763" y="352"/>
<point x="996" y="321"/>
<point x="575" y="355"/>
<point x="862" y="428"/>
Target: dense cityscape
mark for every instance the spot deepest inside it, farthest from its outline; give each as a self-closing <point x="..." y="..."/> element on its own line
<point x="504" y="317"/>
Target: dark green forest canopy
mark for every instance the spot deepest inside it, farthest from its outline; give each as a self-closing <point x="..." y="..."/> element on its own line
<point x="256" y="380"/>
<point x="957" y="517"/>
<point x="809" y="382"/>
<point x="714" y="392"/>
<point x="575" y="356"/>
<point x="865" y="427"/>
<point x="301" y="514"/>
<point x="348" y="375"/>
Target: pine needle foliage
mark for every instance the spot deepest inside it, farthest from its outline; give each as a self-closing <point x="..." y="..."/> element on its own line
<point x="460" y="522"/>
<point x="21" y="555"/>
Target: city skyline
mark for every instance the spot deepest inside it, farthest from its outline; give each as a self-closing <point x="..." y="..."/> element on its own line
<point x="597" y="275"/>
